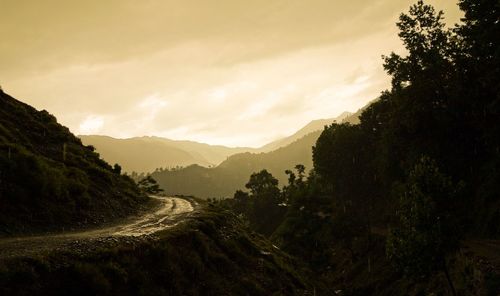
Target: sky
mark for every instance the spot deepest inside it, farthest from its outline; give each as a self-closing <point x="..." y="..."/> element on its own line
<point x="229" y="72"/>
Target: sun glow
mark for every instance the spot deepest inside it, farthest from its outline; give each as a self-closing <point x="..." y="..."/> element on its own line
<point x="91" y="125"/>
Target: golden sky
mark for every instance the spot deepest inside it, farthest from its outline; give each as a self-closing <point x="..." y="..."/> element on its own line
<point x="232" y="72"/>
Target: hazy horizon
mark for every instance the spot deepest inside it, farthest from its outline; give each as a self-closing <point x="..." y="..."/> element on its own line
<point x="219" y="72"/>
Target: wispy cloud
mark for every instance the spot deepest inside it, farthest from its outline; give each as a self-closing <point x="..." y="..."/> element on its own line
<point x="236" y="73"/>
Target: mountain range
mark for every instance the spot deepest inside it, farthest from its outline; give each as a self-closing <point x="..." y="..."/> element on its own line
<point x="232" y="174"/>
<point x="147" y="154"/>
<point x="208" y="171"/>
<point x="311" y="127"/>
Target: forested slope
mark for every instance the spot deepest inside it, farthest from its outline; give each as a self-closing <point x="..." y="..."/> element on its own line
<point x="48" y="179"/>
<point x="407" y="202"/>
<point x="230" y="175"/>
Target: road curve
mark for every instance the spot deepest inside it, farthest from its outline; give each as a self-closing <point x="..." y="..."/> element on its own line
<point x="169" y="213"/>
<point x="165" y="217"/>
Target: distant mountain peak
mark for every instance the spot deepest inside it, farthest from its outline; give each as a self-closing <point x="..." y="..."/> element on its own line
<point x="312" y="126"/>
<point x="147" y="153"/>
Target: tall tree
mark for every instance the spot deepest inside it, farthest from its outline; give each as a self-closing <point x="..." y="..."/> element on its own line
<point x="428" y="230"/>
<point x="265" y="211"/>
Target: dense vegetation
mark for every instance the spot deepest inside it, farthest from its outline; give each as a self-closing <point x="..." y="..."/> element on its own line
<point x="417" y="178"/>
<point x="48" y="179"/>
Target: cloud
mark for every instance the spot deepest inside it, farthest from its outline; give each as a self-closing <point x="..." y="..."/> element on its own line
<point x="42" y="35"/>
<point x="91" y="125"/>
<point x="225" y="72"/>
<point x="262" y="99"/>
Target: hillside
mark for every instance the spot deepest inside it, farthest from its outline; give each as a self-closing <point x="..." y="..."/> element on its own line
<point x="312" y="126"/>
<point x="141" y="154"/>
<point x="212" y="253"/>
<point x="49" y="180"/>
<point x="214" y="154"/>
<point x="145" y="154"/>
<point x="232" y="174"/>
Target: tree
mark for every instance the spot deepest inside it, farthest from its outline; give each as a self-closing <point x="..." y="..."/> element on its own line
<point x="241" y="202"/>
<point x="149" y="186"/>
<point x="291" y="177"/>
<point x="263" y="184"/>
<point x="480" y="70"/>
<point x="296" y="183"/>
<point x="429" y="108"/>
<point x="428" y="43"/>
<point x="427" y="230"/>
<point x="306" y="230"/>
<point x="300" y="168"/>
<point x="264" y="213"/>
<point x="342" y="158"/>
<point x="117" y="169"/>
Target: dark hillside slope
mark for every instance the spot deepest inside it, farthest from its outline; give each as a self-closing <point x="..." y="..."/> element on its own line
<point x="49" y="180"/>
<point x="212" y="253"/>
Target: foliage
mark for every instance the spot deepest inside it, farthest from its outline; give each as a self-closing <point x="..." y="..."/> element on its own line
<point x="367" y="178"/>
<point x="213" y="254"/>
<point x="264" y="206"/>
<point x="427" y="230"/>
<point x="263" y="184"/>
<point x="306" y="230"/>
<point x="48" y="179"/>
<point x="149" y="186"/>
<point x="117" y="169"/>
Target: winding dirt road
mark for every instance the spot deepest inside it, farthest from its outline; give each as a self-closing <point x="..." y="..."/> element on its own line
<point x="166" y="216"/>
<point x="170" y="212"/>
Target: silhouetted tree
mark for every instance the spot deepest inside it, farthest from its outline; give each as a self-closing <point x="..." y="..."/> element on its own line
<point x="263" y="183"/>
<point x="117" y="169"/>
<point x="267" y="213"/>
<point x="149" y="185"/>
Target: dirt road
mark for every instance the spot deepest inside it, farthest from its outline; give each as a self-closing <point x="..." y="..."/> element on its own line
<point x="170" y="212"/>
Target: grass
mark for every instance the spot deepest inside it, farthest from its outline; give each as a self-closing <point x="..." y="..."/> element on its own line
<point x="49" y="180"/>
<point x="211" y="253"/>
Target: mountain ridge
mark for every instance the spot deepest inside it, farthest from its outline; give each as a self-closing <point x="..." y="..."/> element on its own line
<point x="232" y="174"/>
<point x="312" y="126"/>
<point x="146" y="154"/>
